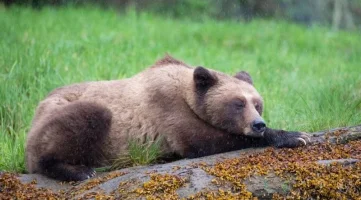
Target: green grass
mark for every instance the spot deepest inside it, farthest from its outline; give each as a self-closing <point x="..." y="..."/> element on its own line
<point x="139" y="153"/>
<point x="310" y="78"/>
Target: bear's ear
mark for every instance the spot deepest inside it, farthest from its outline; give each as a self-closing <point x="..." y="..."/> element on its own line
<point x="203" y="78"/>
<point x="244" y="76"/>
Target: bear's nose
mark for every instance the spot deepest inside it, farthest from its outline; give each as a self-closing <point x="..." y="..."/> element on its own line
<point x="258" y="126"/>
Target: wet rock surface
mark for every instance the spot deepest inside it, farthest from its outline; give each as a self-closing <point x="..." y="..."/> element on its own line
<point x="262" y="173"/>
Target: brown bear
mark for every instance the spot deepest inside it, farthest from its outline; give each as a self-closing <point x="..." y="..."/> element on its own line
<point x="196" y="112"/>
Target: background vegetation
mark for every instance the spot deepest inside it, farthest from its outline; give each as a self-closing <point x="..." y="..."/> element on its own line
<point x="309" y="77"/>
<point x="345" y="14"/>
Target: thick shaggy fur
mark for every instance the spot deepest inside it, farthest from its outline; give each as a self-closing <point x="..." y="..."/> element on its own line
<point x="196" y="112"/>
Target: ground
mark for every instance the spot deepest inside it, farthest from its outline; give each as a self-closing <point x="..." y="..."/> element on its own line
<point x="328" y="169"/>
<point x="308" y="76"/>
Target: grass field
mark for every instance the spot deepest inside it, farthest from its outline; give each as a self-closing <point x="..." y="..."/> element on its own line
<point x="310" y="78"/>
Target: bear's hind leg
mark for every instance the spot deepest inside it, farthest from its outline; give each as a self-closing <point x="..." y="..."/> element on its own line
<point x="62" y="171"/>
<point x="73" y="140"/>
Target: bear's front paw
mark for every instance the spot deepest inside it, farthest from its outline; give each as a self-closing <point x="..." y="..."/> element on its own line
<point x="292" y="139"/>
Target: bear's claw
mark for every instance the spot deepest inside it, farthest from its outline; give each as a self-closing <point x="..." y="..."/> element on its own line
<point x="83" y="173"/>
<point x="302" y="140"/>
<point x="93" y="174"/>
<point x="305" y="138"/>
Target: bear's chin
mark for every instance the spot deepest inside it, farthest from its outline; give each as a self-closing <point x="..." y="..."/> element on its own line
<point x="254" y="134"/>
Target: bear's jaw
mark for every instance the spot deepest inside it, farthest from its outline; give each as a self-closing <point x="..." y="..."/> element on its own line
<point x="255" y="134"/>
<point x="249" y="132"/>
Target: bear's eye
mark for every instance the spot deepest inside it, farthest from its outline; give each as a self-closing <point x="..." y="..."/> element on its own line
<point x="258" y="108"/>
<point x="239" y="104"/>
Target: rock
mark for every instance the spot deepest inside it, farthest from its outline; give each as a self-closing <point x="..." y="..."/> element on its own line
<point x="344" y="162"/>
<point x="202" y="177"/>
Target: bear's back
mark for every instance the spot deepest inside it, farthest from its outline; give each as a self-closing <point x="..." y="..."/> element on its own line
<point x="140" y="105"/>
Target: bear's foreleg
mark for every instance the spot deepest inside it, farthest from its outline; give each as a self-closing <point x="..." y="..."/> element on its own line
<point x="288" y="139"/>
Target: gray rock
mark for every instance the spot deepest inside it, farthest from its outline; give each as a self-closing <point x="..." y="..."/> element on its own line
<point x="197" y="179"/>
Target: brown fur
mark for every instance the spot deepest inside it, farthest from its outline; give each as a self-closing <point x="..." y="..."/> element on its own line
<point x="196" y="112"/>
<point x="169" y="60"/>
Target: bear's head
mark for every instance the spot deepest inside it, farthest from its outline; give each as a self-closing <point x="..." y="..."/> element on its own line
<point x="230" y="103"/>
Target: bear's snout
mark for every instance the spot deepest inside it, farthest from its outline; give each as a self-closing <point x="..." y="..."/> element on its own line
<point x="258" y="126"/>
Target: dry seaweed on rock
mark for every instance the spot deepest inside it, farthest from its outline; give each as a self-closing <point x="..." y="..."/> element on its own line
<point x="299" y="167"/>
<point x="327" y="170"/>
<point x="92" y="183"/>
<point x="12" y="188"/>
<point x="161" y="186"/>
